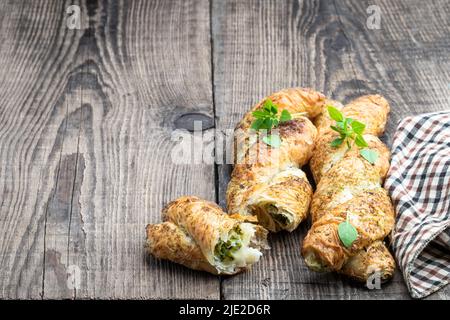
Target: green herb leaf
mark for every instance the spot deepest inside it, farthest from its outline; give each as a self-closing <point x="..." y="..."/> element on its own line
<point x="259" y="114"/>
<point x="274" y="109"/>
<point x="270" y="107"/>
<point x="358" y="127"/>
<point x="360" y="142"/>
<point x="285" y="116"/>
<point x="337" y="129"/>
<point x="344" y="125"/>
<point x="267" y="124"/>
<point x="335" y="114"/>
<point x="256" y="125"/>
<point x="337" y="142"/>
<point x="347" y="233"/>
<point x="267" y="117"/>
<point x="369" y="155"/>
<point x="348" y="129"/>
<point x="272" y="140"/>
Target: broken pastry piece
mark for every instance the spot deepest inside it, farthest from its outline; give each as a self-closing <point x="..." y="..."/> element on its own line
<point x="199" y="235"/>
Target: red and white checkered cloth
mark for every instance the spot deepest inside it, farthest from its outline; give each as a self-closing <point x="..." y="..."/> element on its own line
<point x="419" y="184"/>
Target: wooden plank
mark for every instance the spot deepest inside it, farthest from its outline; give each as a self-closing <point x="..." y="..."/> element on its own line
<point x="36" y="51"/>
<point x="60" y="277"/>
<point x="263" y="46"/>
<point x="83" y="113"/>
<point x="149" y="65"/>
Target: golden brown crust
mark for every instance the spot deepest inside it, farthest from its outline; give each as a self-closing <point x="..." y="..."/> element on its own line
<point x="352" y="176"/>
<point x="191" y="230"/>
<point x="325" y="156"/>
<point x="348" y="185"/>
<point x="203" y="220"/>
<point x="370" y="212"/>
<point x="254" y="177"/>
<point x="262" y="163"/>
<point x="375" y="258"/>
<point x="167" y="241"/>
<point x="372" y="110"/>
<point x="289" y="192"/>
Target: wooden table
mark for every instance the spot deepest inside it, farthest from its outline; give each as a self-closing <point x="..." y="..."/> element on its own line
<point x="87" y="116"/>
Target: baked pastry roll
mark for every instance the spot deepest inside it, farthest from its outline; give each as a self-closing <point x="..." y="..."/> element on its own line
<point x="199" y="235"/>
<point x="348" y="185"/>
<point x="268" y="182"/>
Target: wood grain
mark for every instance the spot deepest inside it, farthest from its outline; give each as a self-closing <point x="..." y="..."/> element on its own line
<point x="263" y="46"/>
<point x="86" y="123"/>
<point x="36" y="55"/>
<point x="146" y="73"/>
<point x="87" y="118"/>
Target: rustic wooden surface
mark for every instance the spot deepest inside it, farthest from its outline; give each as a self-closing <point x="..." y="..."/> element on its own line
<point x="86" y="117"/>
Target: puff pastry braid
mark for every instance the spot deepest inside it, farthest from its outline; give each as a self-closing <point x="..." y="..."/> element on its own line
<point x="268" y="182"/>
<point x="347" y="184"/>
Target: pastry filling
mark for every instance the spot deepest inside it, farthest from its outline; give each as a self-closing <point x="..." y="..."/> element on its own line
<point x="314" y="263"/>
<point x="272" y="217"/>
<point x="237" y="248"/>
<point x="225" y="249"/>
<point x="281" y="217"/>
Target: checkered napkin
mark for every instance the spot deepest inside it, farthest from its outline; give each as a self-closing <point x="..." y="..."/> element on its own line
<point x="419" y="184"/>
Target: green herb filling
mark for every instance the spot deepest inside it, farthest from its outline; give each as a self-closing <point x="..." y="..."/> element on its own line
<point x="224" y="250"/>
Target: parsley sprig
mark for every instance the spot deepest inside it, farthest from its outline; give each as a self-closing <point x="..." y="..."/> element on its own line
<point x="351" y="132"/>
<point x="268" y="118"/>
